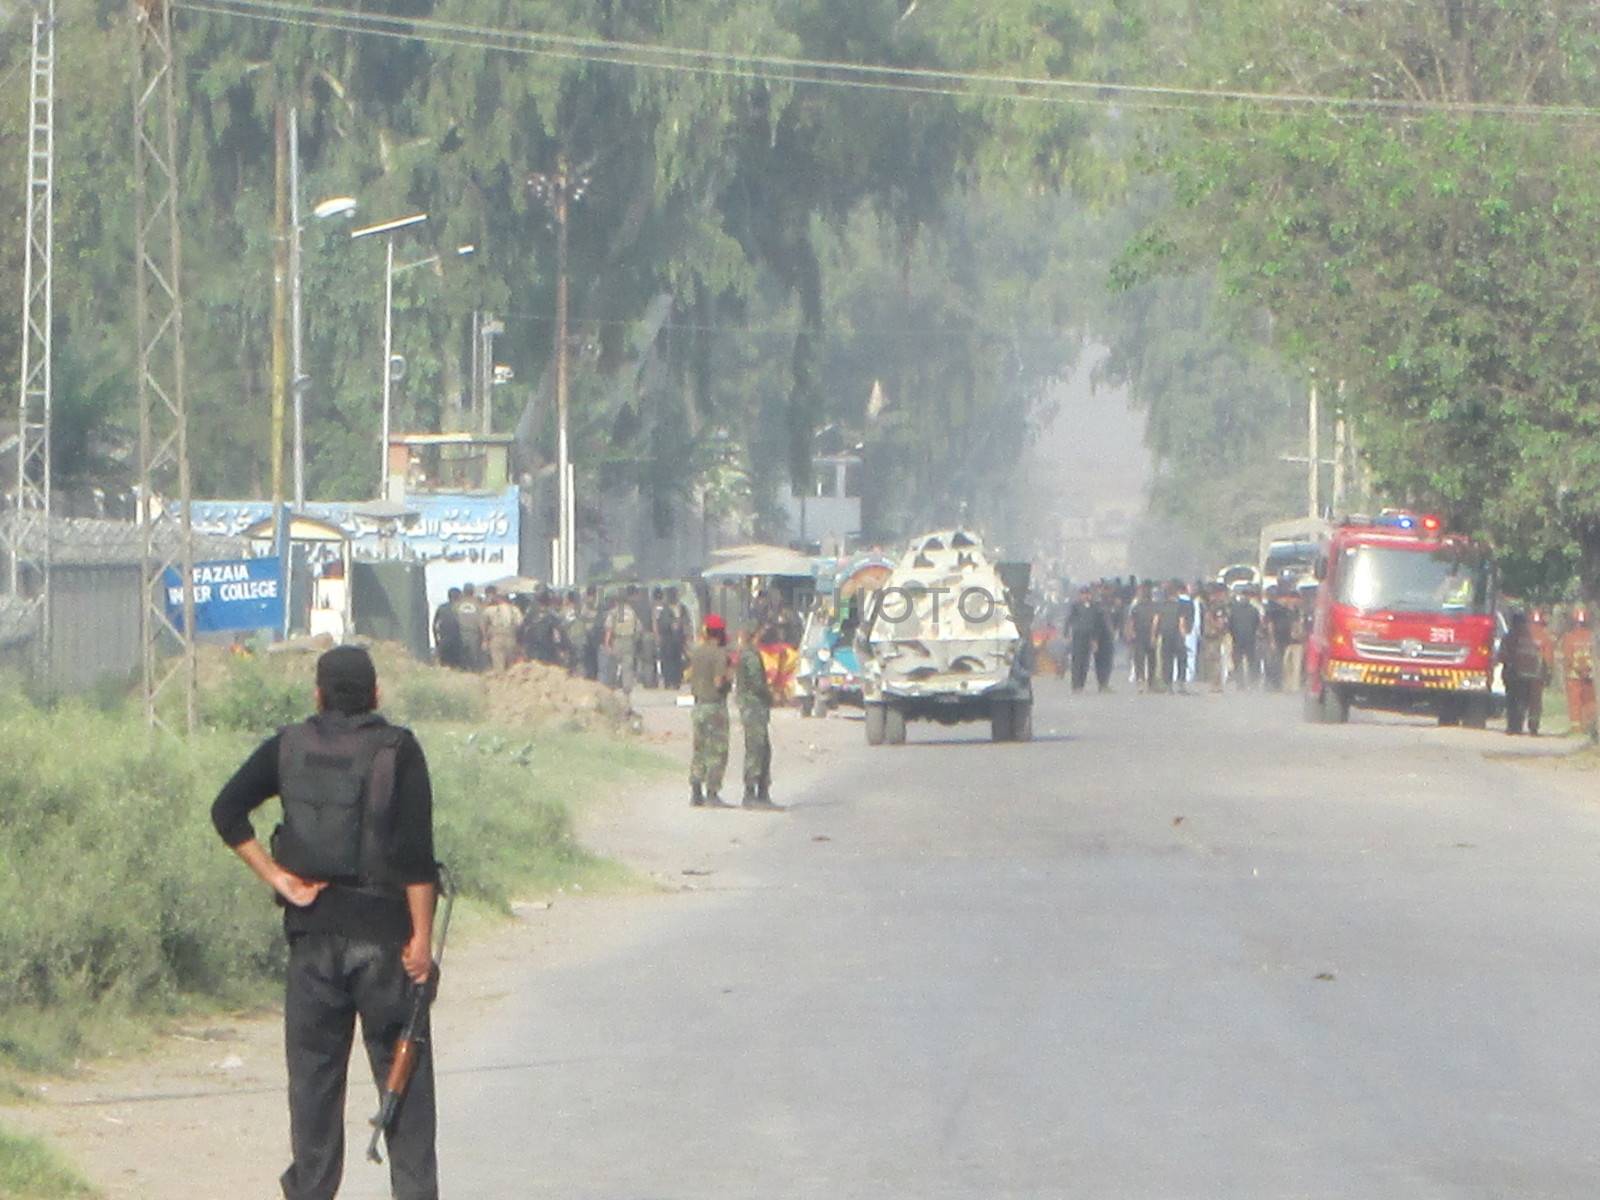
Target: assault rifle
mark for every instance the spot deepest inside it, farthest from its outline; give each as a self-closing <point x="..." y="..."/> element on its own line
<point x="411" y="1039"/>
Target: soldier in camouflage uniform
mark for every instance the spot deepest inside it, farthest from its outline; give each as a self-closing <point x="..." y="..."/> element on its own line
<point x="709" y="680"/>
<point x="755" y="714"/>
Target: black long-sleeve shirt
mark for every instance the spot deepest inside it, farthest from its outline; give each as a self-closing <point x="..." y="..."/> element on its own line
<point x="355" y="914"/>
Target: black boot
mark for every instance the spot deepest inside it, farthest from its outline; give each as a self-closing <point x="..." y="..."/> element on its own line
<point x="697" y="798"/>
<point x="762" y="800"/>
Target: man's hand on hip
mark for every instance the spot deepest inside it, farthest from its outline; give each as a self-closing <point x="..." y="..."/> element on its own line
<point x="301" y="893"/>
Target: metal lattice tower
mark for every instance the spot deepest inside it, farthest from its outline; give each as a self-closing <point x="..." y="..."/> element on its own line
<point x="30" y="528"/>
<point x="163" y="425"/>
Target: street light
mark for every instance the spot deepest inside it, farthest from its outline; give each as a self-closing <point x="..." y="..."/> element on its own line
<point x="334" y="206"/>
<point x="387" y="229"/>
<point x="559" y="191"/>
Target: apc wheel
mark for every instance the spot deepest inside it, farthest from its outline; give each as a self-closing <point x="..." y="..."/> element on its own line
<point x="1000" y="721"/>
<point x="1022" y="721"/>
<point x="894" y="726"/>
<point x="1475" y="713"/>
<point x="1450" y="712"/>
<point x="1335" y="705"/>
<point x="876" y="720"/>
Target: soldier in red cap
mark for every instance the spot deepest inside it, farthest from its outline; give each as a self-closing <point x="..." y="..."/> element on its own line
<point x="709" y="682"/>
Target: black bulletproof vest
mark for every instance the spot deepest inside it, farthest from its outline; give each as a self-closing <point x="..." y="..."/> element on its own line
<point x="336" y="778"/>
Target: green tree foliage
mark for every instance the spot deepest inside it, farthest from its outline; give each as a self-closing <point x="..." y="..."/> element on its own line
<point x="1437" y="260"/>
<point x="713" y="198"/>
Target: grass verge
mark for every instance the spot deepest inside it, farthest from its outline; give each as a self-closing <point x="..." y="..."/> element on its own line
<point x="30" y="1170"/>
<point x="119" y="907"/>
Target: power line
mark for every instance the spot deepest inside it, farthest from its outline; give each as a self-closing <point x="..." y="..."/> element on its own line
<point x="764" y="75"/>
<point x="782" y="331"/>
<point x="873" y="77"/>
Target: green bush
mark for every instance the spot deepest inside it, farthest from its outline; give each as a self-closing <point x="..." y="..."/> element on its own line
<point x="117" y="897"/>
<point x="30" y="1170"/>
<point x="255" y="696"/>
<point x="420" y="698"/>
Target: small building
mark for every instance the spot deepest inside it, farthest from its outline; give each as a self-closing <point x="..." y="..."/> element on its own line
<point x="96" y="598"/>
<point x="827" y="513"/>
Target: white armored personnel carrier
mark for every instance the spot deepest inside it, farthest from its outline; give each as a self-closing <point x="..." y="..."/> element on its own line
<point x="945" y="640"/>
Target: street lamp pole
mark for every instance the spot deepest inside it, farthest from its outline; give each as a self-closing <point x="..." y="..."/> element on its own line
<point x="560" y="191"/>
<point x="388" y="229"/>
<point x="563" y="463"/>
<point x="388" y="363"/>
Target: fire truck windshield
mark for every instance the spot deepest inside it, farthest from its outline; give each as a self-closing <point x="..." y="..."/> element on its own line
<point x="1385" y="579"/>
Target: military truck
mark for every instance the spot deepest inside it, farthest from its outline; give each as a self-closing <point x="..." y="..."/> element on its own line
<point x="945" y="639"/>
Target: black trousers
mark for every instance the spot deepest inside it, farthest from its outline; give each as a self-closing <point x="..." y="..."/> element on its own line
<point x="1146" y="668"/>
<point x="1244" y="662"/>
<point x="1174" y="661"/>
<point x="332" y="980"/>
<point x="1524" y="704"/>
<point x="1105" y="657"/>
<point x="1082" y="655"/>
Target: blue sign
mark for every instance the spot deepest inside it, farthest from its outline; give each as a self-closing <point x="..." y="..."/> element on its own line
<point x="241" y="593"/>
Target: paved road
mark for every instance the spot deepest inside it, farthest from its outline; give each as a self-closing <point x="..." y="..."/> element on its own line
<point x="1361" y="964"/>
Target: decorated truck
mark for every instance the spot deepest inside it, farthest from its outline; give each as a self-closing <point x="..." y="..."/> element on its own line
<point x="829" y="675"/>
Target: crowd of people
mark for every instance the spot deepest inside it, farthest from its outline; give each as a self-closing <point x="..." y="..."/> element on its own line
<point x="1533" y="654"/>
<point x="1177" y="635"/>
<point x="624" y="638"/>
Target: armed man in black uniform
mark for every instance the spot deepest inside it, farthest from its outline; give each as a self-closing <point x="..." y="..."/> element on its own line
<point x="352" y="864"/>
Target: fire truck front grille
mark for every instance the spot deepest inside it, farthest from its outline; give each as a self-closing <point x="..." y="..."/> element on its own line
<point x="1411" y="651"/>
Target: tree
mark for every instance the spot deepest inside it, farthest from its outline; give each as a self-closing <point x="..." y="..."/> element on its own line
<point x="1434" y="258"/>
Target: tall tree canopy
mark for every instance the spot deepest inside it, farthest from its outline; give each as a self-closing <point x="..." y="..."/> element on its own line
<point x="1432" y="250"/>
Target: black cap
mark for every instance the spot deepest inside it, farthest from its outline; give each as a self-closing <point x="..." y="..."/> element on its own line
<point x="347" y="679"/>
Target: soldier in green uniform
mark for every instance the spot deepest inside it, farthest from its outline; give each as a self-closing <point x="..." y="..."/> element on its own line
<point x="575" y="620"/>
<point x="755" y="713"/>
<point x="709" y="681"/>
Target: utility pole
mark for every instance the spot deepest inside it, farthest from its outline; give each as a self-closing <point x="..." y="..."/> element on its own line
<point x="560" y="191"/>
<point x="30" y="534"/>
<point x="1341" y="453"/>
<point x="297" y="369"/>
<point x="158" y="303"/>
<point x="1312" y="459"/>
<point x="490" y="328"/>
<point x="473" y="391"/>
<point x="1313" y="455"/>
<point x="280" y="304"/>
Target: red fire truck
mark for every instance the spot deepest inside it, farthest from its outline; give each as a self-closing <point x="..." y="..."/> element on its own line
<point x="1405" y="621"/>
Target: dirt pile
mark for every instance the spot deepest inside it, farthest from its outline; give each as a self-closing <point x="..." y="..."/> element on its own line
<point x="529" y="695"/>
<point x="533" y="693"/>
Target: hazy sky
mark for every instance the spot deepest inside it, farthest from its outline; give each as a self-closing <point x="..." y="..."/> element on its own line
<point x="1093" y="452"/>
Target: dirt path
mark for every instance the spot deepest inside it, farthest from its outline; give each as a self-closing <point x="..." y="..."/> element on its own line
<point x="202" y="1115"/>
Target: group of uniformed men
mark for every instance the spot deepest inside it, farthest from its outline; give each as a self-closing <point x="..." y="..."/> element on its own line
<point x="620" y="639"/>
<point x="1178" y="633"/>
<point x="714" y="672"/>
<point x="1530" y="654"/>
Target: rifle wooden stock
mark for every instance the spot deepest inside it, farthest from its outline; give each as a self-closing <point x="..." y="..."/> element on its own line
<point x="407" y="1047"/>
<point x="405" y="1062"/>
